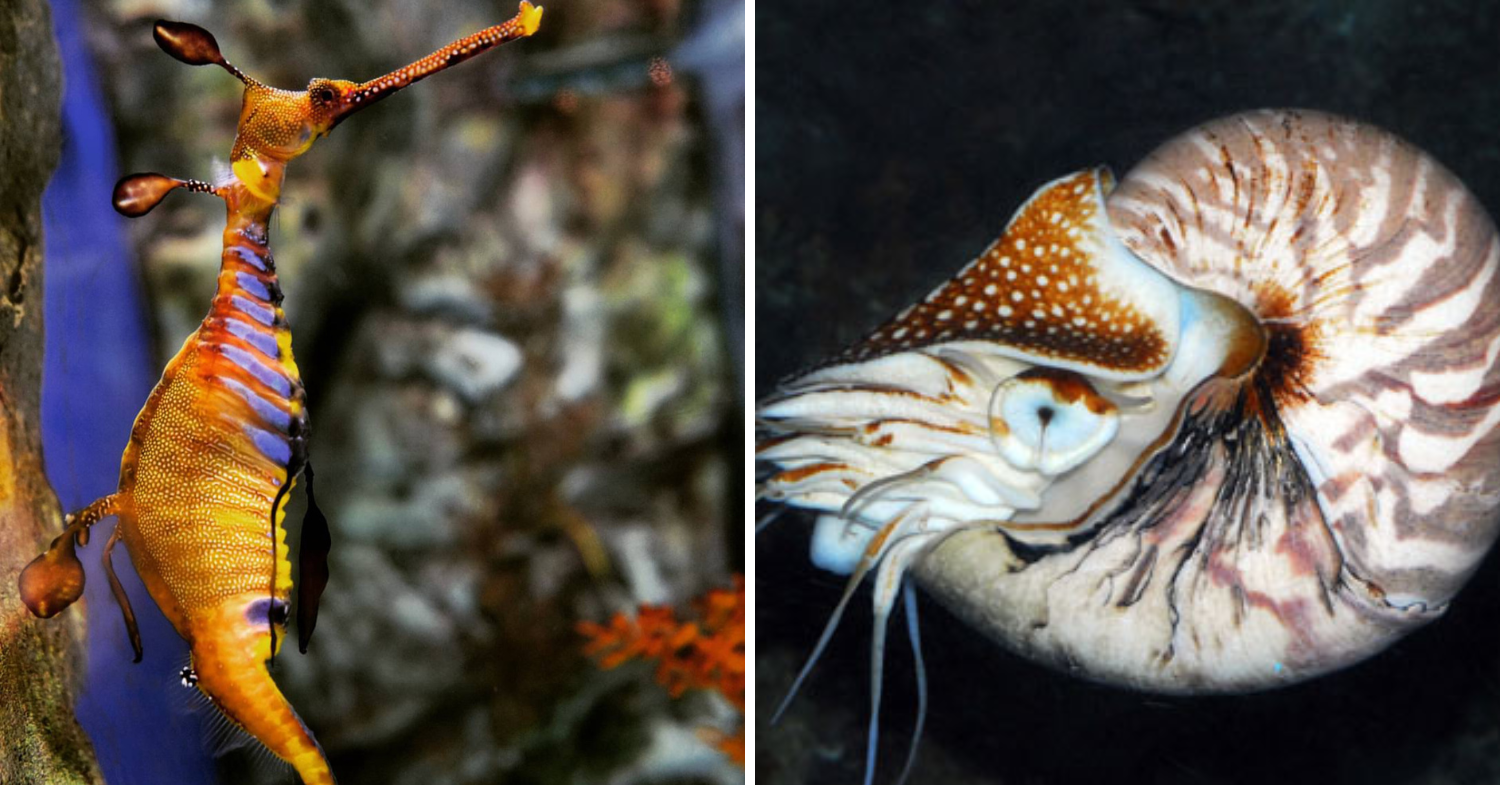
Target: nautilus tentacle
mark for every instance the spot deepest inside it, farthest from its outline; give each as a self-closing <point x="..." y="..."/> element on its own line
<point x="1227" y="426"/>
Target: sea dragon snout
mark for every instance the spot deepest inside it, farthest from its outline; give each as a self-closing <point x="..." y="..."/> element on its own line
<point x="223" y="436"/>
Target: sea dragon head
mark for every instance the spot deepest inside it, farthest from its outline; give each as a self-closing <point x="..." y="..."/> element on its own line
<point x="278" y="125"/>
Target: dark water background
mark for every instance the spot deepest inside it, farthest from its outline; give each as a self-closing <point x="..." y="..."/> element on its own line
<point x="894" y="140"/>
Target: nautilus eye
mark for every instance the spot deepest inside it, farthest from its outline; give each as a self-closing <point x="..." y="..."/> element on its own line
<point x="1050" y="421"/>
<point x="1230" y="425"/>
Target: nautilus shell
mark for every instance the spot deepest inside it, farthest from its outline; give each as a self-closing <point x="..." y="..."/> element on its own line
<point x="1227" y="425"/>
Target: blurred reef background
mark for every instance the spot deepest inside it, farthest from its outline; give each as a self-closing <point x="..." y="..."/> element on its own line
<point x="893" y="143"/>
<point x="516" y="299"/>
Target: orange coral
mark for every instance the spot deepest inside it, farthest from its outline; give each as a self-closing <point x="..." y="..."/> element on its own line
<point x="708" y="653"/>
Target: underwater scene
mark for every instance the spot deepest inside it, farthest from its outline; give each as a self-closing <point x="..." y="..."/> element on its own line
<point x="499" y="317"/>
<point x="1138" y="361"/>
<point x="1124" y="392"/>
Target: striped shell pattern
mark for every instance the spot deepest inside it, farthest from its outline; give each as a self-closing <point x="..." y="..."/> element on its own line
<point x="1229" y="425"/>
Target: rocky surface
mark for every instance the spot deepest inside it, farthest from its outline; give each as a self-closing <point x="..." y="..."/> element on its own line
<point x="40" y="662"/>
<point x="503" y="290"/>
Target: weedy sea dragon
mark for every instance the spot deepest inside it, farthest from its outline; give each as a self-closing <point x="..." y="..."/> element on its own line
<point x="223" y="437"/>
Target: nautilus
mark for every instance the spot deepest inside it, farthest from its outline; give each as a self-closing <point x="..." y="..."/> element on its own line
<point x="1225" y="425"/>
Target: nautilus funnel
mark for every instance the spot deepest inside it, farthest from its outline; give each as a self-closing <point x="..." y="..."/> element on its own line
<point x="1227" y="425"/>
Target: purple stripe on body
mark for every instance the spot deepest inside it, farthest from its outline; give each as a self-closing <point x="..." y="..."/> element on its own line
<point x="248" y="257"/>
<point x="270" y="377"/>
<point x="268" y="411"/>
<point x="255" y="310"/>
<point x="259" y="611"/>
<point x="253" y="285"/>
<point x="252" y="335"/>
<point x="271" y="445"/>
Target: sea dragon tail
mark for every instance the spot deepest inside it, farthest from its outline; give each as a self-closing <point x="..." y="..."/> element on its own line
<point x="229" y="660"/>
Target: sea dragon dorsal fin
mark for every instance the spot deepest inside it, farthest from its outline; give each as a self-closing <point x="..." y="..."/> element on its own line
<point x="312" y="561"/>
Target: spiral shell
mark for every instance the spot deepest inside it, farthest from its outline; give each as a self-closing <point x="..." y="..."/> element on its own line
<point x="1232" y="426"/>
